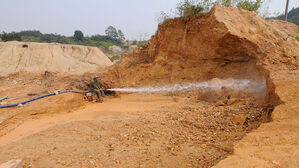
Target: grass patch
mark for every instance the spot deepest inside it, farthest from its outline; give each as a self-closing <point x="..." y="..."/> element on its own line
<point x="296" y="36"/>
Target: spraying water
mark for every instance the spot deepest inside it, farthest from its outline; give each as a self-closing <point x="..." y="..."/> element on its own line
<point x="215" y="84"/>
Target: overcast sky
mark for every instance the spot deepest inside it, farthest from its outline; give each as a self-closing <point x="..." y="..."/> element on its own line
<point x="133" y="17"/>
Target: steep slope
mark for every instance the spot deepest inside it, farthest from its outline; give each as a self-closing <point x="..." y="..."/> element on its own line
<point x="21" y="56"/>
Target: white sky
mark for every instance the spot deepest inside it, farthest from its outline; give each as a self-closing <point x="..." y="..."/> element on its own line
<point x="133" y="17"/>
<point x="278" y="6"/>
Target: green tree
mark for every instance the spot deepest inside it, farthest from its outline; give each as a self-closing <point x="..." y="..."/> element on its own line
<point x="121" y="35"/>
<point x="162" y="17"/>
<point x="32" y="33"/>
<point x="188" y="8"/>
<point x="193" y="7"/>
<point x="185" y="8"/>
<point x="78" y="35"/>
<point x="13" y="36"/>
<point x="250" y="4"/>
<point x="112" y="32"/>
<point x="46" y="38"/>
<point x="228" y="3"/>
<point x="100" y="38"/>
<point x="293" y="16"/>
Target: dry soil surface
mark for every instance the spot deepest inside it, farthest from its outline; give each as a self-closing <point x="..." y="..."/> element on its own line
<point x="134" y="130"/>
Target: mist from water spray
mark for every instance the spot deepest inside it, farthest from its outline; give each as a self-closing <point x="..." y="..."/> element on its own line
<point x="235" y="84"/>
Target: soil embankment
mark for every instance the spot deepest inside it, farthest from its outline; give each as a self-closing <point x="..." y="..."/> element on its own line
<point x="72" y="59"/>
<point x="224" y="43"/>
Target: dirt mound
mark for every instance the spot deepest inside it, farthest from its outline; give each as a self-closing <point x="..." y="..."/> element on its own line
<point x="224" y="43"/>
<point x="73" y="59"/>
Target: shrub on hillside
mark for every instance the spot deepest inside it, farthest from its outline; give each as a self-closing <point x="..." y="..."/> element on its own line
<point x="189" y="8"/>
<point x="250" y="5"/>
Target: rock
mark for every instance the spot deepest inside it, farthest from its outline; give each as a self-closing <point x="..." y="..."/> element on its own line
<point x="217" y="114"/>
<point x="12" y="164"/>
<point x="232" y="101"/>
<point x="133" y="84"/>
<point x="219" y="103"/>
<point x="20" y="105"/>
<point x="94" y="98"/>
<point x="88" y="94"/>
<point x="239" y="119"/>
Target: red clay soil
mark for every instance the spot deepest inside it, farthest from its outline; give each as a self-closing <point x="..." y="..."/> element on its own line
<point x="175" y="129"/>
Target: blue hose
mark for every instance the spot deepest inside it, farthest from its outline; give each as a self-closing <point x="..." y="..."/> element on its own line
<point x="47" y="95"/>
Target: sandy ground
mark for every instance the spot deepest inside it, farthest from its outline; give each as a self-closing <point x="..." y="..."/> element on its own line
<point x="134" y="130"/>
<point x="113" y="109"/>
<point x="28" y="56"/>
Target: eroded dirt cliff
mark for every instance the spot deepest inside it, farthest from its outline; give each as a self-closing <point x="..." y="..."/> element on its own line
<point x="229" y="43"/>
<point x="222" y="43"/>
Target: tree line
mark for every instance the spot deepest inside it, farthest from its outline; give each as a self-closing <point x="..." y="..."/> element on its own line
<point x="293" y="16"/>
<point x="112" y="37"/>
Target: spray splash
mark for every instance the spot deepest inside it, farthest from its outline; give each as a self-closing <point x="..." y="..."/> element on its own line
<point x="215" y="84"/>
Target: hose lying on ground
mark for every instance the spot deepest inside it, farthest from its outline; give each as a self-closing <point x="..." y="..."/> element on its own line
<point x="47" y="95"/>
<point x="3" y="98"/>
